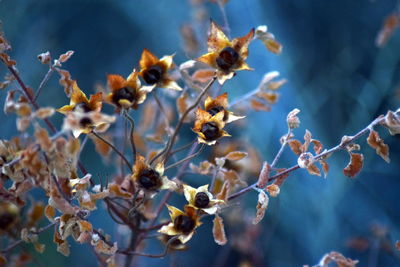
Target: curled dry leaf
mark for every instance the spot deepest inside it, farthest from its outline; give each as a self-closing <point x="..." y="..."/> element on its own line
<point x="337" y="258"/>
<point x="392" y="122"/>
<point x="262" y="205"/>
<point x="292" y="120"/>
<point x="43" y="138"/>
<point x="264" y="175"/>
<point x="66" y="56"/>
<point x="43" y="113"/>
<point x="295" y="146"/>
<point x="314" y="170"/>
<point x="391" y="23"/>
<point x="273" y="190"/>
<point x="375" y="141"/>
<point x="66" y="81"/>
<point x="259" y="106"/>
<point x="355" y="165"/>
<point x="203" y="75"/>
<point x="204" y="167"/>
<point x="268" y="39"/>
<point x="219" y="231"/>
<point x="236" y="155"/>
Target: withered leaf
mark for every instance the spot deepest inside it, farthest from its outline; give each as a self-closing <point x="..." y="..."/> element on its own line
<point x="292" y="120"/>
<point x="338" y="258"/>
<point x="398" y="245"/>
<point x="66" y="81"/>
<point x="43" y="113"/>
<point x="273" y="190"/>
<point x="259" y="106"/>
<point x="375" y="141"/>
<point x="203" y="168"/>
<point x="391" y="23"/>
<point x="262" y="205"/>
<point x="219" y="231"/>
<point x="236" y="155"/>
<point x="67" y="55"/>
<point x="50" y="212"/>
<point x="264" y="175"/>
<point x="314" y="170"/>
<point x="270" y="97"/>
<point x="295" y="145"/>
<point x="273" y="46"/>
<point x="203" y="75"/>
<point x="325" y="167"/>
<point x="392" y="122"/>
<point x="355" y="165"/>
<point x="42" y="136"/>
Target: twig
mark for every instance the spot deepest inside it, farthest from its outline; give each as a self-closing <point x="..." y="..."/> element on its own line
<point x="131" y="136"/>
<point x="127" y="252"/>
<point x="182" y="147"/>
<point x="186" y="158"/>
<point x="19" y="242"/>
<point x="160" y="106"/>
<point x="43" y="82"/>
<point x="129" y="165"/>
<point x="322" y="155"/>
<point x="224" y="18"/>
<point x="171" y="141"/>
<point x="279" y="154"/>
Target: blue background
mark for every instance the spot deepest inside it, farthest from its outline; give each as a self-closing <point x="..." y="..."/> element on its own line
<point x="337" y="77"/>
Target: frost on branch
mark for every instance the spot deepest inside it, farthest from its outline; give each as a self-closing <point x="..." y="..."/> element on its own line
<point x="338" y="258"/>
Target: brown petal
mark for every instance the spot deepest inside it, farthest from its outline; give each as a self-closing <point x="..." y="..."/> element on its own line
<point x="148" y="59"/>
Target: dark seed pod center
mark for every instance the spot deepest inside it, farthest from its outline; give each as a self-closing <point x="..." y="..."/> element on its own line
<point x="149" y="179"/>
<point x="214" y="110"/>
<point x="123" y="93"/>
<point x="6" y="220"/>
<point x="184" y="224"/>
<point x="227" y="58"/>
<point x="85" y="122"/>
<point x="201" y="200"/>
<point x="82" y="107"/>
<point x="210" y="131"/>
<point x="153" y="74"/>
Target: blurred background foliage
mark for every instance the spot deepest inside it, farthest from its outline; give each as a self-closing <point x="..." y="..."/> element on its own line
<point x="337" y="77"/>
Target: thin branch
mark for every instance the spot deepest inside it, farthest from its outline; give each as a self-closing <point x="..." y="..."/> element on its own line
<point x="279" y="154"/>
<point x="171" y="141"/>
<point x="160" y="106"/>
<point x="128" y="164"/>
<point x="224" y="18"/>
<point x="127" y="252"/>
<point x="186" y="158"/>
<point x="183" y="147"/>
<point x="131" y="136"/>
<point x="19" y="242"/>
<point x="43" y="82"/>
<point x="322" y="155"/>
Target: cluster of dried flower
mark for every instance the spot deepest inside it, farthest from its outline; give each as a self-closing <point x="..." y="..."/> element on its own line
<point x="50" y="159"/>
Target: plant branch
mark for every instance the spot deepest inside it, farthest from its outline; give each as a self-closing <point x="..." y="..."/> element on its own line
<point x="186" y="158"/>
<point x="322" y="155"/>
<point x="128" y="164"/>
<point x="43" y="82"/>
<point x="128" y="252"/>
<point x="131" y="136"/>
<point x="20" y="241"/>
<point x="171" y="141"/>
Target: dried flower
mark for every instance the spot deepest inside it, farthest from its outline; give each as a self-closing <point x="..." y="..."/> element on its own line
<point x="127" y="93"/>
<point x="224" y="55"/>
<point x="79" y="101"/>
<point x="218" y="104"/>
<point x="209" y="127"/>
<point x="154" y="71"/>
<point x="151" y="179"/>
<point x="80" y="122"/>
<point x="201" y="198"/>
<point x="182" y="223"/>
